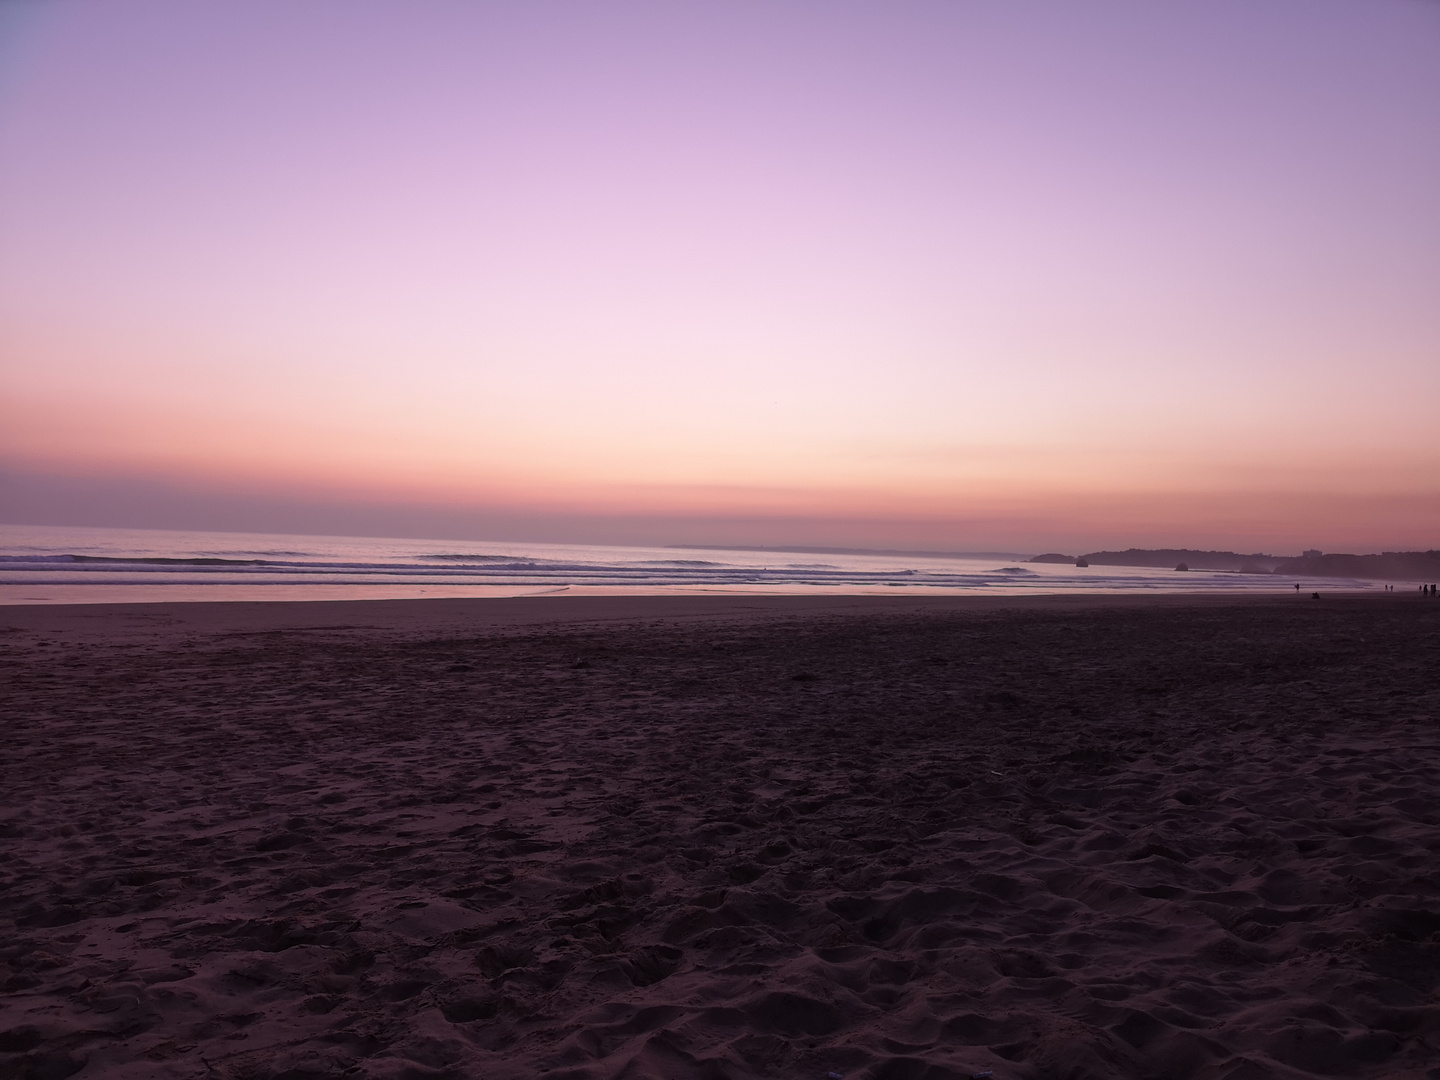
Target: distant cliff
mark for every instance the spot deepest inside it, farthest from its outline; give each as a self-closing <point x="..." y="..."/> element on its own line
<point x="1394" y="565"/>
<point x="1169" y="558"/>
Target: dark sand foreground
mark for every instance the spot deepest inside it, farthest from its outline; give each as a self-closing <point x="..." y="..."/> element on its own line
<point x="741" y="838"/>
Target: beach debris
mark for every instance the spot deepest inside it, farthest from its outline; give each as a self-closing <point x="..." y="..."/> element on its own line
<point x="986" y="1075"/>
<point x="832" y="1075"/>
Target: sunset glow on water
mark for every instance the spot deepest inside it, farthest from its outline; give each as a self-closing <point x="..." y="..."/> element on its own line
<point x="118" y="566"/>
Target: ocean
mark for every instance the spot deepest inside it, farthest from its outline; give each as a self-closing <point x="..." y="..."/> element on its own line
<point x="43" y="564"/>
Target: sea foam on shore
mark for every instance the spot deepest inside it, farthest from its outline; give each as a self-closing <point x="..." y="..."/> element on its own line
<point x="55" y="565"/>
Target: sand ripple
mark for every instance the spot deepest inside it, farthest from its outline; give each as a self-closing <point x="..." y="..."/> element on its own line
<point x="1052" y="844"/>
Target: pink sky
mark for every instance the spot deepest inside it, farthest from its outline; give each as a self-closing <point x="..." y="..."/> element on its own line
<point x="1020" y="275"/>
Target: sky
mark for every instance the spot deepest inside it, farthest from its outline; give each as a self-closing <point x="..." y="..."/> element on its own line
<point x="950" y="275"/>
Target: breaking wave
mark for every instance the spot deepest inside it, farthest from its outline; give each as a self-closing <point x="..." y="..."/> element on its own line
<point x="34" y="556"/>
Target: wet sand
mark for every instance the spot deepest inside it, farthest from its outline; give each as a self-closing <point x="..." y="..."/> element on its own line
<point x="1060" y="837"/>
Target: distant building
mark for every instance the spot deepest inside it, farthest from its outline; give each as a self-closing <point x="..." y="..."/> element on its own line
<point x="1312" y="554"/>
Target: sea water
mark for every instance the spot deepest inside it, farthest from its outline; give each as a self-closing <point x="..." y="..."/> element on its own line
<point x="42" y="564"/>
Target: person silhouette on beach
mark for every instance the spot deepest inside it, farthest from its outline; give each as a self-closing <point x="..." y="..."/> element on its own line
<point x="1297" y="586"/>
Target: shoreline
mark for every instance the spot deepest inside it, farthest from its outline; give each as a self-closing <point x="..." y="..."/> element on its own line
<point x="443" y="615"/>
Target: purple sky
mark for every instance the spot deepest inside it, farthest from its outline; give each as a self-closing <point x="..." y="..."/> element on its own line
<point x="979" y="275"/>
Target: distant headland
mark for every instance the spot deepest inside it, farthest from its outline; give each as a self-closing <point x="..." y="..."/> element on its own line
<point x="1393" y="565"/>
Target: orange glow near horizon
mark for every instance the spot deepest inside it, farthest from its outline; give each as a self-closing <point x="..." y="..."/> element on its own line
<point x="976" y="284"/>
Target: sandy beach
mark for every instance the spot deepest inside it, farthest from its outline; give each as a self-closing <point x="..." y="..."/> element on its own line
<point x="1056" y="838"/>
